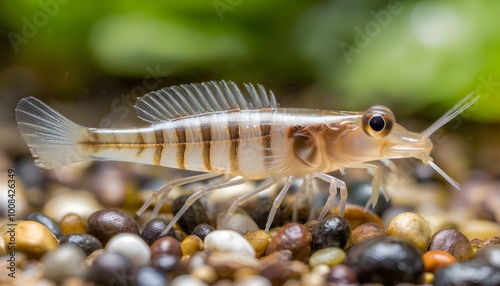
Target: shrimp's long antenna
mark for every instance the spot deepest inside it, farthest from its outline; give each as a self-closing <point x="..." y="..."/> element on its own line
<point x="465" y="103"/>
<point x="442" y="173"/>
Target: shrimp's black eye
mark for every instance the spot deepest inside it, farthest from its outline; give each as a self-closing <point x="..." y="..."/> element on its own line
<point x="377" y="121"/>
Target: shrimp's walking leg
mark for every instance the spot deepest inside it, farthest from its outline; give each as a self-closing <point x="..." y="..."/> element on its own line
<point x="163" y="192"/>
<point x="277" y="202"/>
<point x="242" y="199"/>
<point x="194" y="197"/>
<point x="334" y="184"/>
<point x="374" y="170"/>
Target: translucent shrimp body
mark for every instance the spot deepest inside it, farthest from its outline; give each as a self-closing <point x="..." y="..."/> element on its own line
<point x="213" y="128"/>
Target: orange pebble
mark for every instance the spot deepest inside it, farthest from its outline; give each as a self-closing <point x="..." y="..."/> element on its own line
<point x="435" y="259"/>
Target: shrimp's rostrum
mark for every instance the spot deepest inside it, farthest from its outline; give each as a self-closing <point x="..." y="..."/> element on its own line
<point x="213" y="128"/>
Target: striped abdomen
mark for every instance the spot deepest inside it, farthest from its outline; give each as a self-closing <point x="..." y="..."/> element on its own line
<point x="239" y="142"/>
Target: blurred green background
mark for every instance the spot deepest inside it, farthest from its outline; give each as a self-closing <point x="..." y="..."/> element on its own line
<point x="92" y="58"/>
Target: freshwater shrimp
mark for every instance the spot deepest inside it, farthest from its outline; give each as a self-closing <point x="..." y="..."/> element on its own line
<point x="214" y="128"/>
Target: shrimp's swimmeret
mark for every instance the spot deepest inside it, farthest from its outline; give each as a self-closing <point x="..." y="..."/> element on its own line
<point x="213" y="128"/>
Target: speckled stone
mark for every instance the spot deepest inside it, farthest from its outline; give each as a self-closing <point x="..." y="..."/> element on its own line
<point x="111" y="268"/>
<point x="47" y="222"/>
<point x="194" y="215"/>
<point x="328" y="256"/>
<point x="453" y="242"/>
<point x="331" y="231"/>
<point x="364" y="232"/>
<point x="86" y="242"/>
<point x="240" y="222"/>
<point x="474" y="272"/>
<point x="202" y="230"/>
<point x="191" y="244"/>
<point x="150" y="276"/>
<point x="228" y="241"/>
<point x="105" y="224"/>
<point x="259" y="239"/>
<point x="411" y="227"/>
<point x="65" y="261"/>
<point x="72" y="223"/>
<point x="436" y="259"/>
<point x="294" y="237"/>
<point x="385" y="260"/>
<point x="131" y="246"/>
<point x="153" y="229"/>
<point x="31" y="238"/>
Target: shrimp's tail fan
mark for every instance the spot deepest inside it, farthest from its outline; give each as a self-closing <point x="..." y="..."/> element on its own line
<point x="51" y="137"/>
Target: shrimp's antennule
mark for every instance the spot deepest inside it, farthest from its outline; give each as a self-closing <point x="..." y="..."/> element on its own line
<point x="442" y="173"/>
<point x="465" y="103"/>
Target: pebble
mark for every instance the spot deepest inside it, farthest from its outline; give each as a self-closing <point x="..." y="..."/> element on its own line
<point x="412" y="227"/>
<point x="106" y="223"/>
<point x="111" y="268"/>
<point x="240" y="222"/>
<point x="252" y="281"/>
<point x="86" y="242"/>
<point x="69" y="201"/>
<point x="228" y="241"/>
<point x="327" y="256"/>
<point x="194" y="215"/>
<point x="341" y="274"/>
<point x="131" y="246"/>
<point x="190" y="280"/>
<point x="259" y="211"/>
<point x="473" y="272"/>
<point x="227" y="264"/>
<point x="360" y="193"/>
<point x="202" y="230"/>
<point x="47" y="222"/>
<point x="356" y="216"/>
<point x="490" y="254"/>
<point x="191" y="244"/>
<point x="30" y="237"/>
<point x="330" y="231"/>
<point x="259" y="240"/>
<point x="72" y="223"/>
<point x="205" y="273"/>
<point x="364" y="232"/>
<point x="294" y="237"/>
<point x="385" y="260"/>
<point x="166" y="253"/>
<point x="150" y="276"/>
<point x="65" y="261"/>
<point x="453" y="242"/>
<point x="436" y="259"/>
<point x="153" y="229"/>
<point x="274" y="267"/>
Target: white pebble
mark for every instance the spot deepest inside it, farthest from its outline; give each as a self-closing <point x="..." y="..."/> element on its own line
<point x="131" y="246"/>
<point x="184" y="280"/>
<point x="65" y="261"/>
<point x="228" y="241"/>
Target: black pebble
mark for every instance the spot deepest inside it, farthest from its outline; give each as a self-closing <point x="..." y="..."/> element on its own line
<point x="331" y="231"/>
<point x="194" y="215"/>
<point x="202" y="230"/>
<point x="259" y="212"/>
<point x="385" y="260"/>
<point x="86" y="242"/>
<point x="105" y="224"/>
<point x="154" y="228"/>
<point x="150" y="276"/>
<point x="473" y="272"/>
<point x="48" y="222"/>
<point x="111" y="268"/>
<point x="360" y="193"/>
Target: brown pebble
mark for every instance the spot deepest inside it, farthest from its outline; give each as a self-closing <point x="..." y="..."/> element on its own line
<point x="72" y="223"/>
<point x="259" y="240"/>
<point x="166" y="245"/>
<point x="90" y="259"/>
<point x="435" y="259"/>
<point x="310" y="225"/>
<point x="294" y="237"/>
<point x="356" y="215"/>
<point x="191" y="244"/>
<point x="106" y="223"/>
<point x="364" y="232"/>
<point x="453" y="242"/>
<point x="205" y="273"/>
<point x="341" y="274"/>
<point x="30" y="237"/>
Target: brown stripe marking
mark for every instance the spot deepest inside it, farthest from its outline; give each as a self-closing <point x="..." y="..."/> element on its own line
<point x="234" y="136"/>
<point x="206" y="134"/>
<point x="159" y="140"/>
<point x="265" y="133"/>
<point x="181" y="146"/>
<point x="141" y="144"/>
